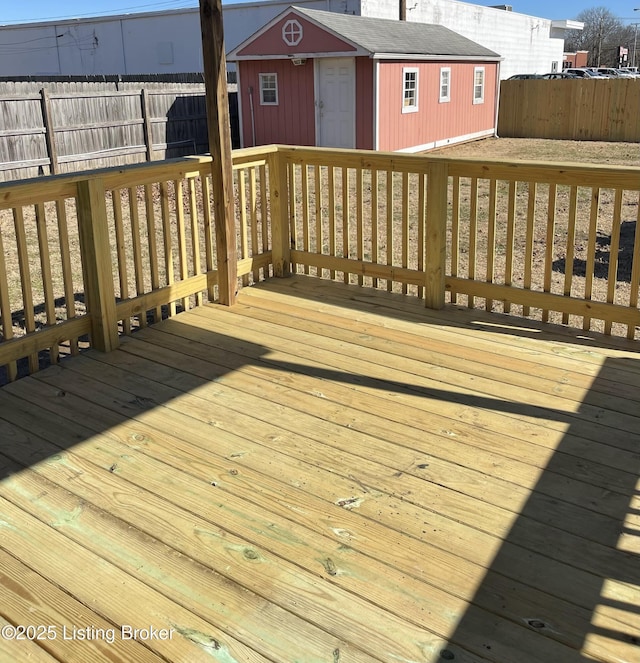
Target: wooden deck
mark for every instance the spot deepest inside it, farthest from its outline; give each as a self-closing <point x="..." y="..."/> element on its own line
<point x="326" y="474"/>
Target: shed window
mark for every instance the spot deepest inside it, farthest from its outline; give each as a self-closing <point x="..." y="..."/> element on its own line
<point x="292" y="33"/>
<point x="478" y="85"/>
<point x="268" y="89"/>
<point x="445" y="84"/>
<point x="410" y="90"/>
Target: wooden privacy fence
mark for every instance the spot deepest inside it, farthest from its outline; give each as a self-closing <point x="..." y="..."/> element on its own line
<point x="581" y="109"/>
<point x="86" y="257"/>
<point x="51" y="132"/>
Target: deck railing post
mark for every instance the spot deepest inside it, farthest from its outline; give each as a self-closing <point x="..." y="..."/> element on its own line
<point x="95" y="250"/>
<point x="436" y="235"/>
<point x="279" y="199"/>
<point x="219" y="131"/>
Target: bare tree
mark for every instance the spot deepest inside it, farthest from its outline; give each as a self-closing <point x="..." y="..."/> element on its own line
<point x="602" y="36"/>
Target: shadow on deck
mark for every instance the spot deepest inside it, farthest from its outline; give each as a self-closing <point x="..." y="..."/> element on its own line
<point x="562" y="585"/>
<point x="610" y="573"/>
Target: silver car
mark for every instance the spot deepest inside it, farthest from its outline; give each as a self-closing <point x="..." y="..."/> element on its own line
<point x="581" y="73"/>
<point x="614" y="73"/>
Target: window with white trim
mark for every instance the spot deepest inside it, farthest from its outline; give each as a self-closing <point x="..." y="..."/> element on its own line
<point x="268" y="89"/>
<point x="478" y="85"/>
<point x="445" y="84"/>
<point x="292" y="32"/>
<point x="409" y="90"/>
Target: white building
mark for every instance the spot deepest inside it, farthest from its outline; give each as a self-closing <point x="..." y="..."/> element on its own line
<point x="529" y="45"/>
<point x="169" y="41"/>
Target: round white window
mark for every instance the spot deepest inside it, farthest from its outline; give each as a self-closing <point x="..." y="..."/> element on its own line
<point x="292" y="32"/>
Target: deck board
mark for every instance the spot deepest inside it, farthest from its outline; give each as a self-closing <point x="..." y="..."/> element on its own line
<point x="329" y="473"/>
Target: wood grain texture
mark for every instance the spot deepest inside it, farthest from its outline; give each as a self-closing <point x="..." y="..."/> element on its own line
<point x="94" y="238"/>
<point x="215" y="74"/>
<point x="435" y="236"/>
<point x="280" y="185"/>
<point x="585" y="109"/>
<point x="326" y="472"/>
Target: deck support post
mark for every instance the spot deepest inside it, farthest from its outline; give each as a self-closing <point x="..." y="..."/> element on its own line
<point x="95" y="250"/>
<point x="436" y="234"/>
<point x="279" y="200"/>
<point x="219" y="129"/>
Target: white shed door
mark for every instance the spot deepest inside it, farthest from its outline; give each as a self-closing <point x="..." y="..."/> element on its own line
<point x="336" y="102"/>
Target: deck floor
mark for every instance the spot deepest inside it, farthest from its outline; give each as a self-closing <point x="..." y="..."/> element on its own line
<point x="325" y="474"/>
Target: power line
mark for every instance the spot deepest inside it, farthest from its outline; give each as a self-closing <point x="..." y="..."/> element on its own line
<point x="177" y="4"/>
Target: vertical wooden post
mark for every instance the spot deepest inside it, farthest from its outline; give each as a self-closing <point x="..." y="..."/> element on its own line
<point x="279" y="199"/>
<point x="96" y="258"/>
<point x="146" y="123"/>
<point x="219" y="129"/>
<point x="436" y="235"/>
<point x="49" y="134"/>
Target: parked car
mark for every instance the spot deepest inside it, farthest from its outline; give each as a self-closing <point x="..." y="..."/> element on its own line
<point x="597" y="73"/>
<point x="558" y="74"/>
<point x="581" y="73"/>
<point x="519" y="77"/>
<point x="614" y="73"/>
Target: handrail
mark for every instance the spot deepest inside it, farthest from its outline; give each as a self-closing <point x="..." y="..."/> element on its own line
<point x="583" y="174"/>
<point x="51" y="187"/>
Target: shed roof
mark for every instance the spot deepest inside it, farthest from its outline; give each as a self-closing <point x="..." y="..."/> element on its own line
<point x="377" y="37"/>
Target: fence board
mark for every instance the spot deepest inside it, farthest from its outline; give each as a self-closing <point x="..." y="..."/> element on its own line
<point x="581" y="109"/>
<point x="65" y="126"/>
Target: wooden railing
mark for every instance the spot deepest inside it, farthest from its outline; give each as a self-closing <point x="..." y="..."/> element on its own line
<point x="87" y="257"/>
<point x="552" y="241"/>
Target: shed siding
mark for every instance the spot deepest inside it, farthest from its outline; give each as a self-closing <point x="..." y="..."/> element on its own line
<point x="364" y="103"/>
<point x="293" y="117"/>
<point x="434" y="121"/>
<point x="314" y="40"/>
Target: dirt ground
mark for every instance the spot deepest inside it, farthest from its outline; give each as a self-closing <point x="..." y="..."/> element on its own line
<point x="570" y="254"/>
<point x="530" y="149"/>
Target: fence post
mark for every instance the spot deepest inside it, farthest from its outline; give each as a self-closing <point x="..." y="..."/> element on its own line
<point x="436" y="234"/>
<point x="49" y="134"/>
<point x="96" y="258"/>
<point x="279" y="205"/>
<point x="146" y="123"/>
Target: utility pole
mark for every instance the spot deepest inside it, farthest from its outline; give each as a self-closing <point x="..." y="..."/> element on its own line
<point x="600" y="30"/>
<point x="635" y="40"/>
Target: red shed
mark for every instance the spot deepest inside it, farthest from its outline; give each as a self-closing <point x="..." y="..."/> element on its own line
<point x="312" y="77"/>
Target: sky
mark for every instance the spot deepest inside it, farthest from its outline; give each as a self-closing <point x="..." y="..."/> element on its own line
<point x="26" y="11"/>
